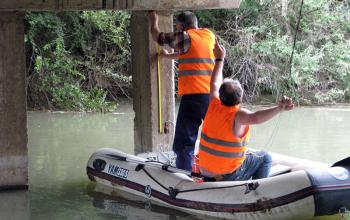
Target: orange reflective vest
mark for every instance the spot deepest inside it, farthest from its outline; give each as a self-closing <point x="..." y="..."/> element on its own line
<point x="220" y="150"/>
<point x="196" y="66"/>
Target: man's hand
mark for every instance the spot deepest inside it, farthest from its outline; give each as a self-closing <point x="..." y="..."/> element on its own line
<point x="286" y="103"/>
<point x="153" y="18"/>
<point x="216" y="76"/>
<point x="164" y="53"/>
<point x="219" y="50"/>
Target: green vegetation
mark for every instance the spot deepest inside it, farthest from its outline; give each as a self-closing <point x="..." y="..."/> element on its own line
<point x="77" y="60"/>
<point x="81" y="60"/>
<point x="260" y="41"/>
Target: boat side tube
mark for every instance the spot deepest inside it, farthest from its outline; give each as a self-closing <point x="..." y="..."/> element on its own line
<point x="331" y="188"/>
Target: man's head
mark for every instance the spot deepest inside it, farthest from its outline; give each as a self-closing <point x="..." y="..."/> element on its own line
<point x="230" y="92"/>
<point x="186" y="20"/>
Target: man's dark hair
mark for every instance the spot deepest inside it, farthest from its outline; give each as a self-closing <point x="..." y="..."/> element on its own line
<point x="188" y="19"/>
<point x="230" y="96"/>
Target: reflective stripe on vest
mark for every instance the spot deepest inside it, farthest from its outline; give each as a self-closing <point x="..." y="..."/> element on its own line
<point x="223" y="143"/>
<point x="221" y="153"/>
<point x="196" y="60"/>
<point x="195" y="72"/>
<point x="196" y="66"/>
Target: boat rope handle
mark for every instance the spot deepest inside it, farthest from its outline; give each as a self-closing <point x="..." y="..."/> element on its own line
<point x="249" y="186"/>
<point x="173" y="192"/>
<point x="160" y="109"/>
<point x="142" y="167"/>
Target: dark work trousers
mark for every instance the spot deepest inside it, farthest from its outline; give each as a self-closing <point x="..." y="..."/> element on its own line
<point x="191" y="113"/>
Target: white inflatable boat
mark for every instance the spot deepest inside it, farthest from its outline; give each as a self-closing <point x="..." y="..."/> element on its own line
<point x="296" y="188"/>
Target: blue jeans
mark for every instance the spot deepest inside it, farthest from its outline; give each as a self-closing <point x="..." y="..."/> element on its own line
<point x="257" y="165"/>
<point x="191" y="113"/>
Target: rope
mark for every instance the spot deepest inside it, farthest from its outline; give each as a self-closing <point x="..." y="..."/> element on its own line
<point x="192" y="190"/>
<point x="154" y="179"/>
<point x="274" y="131"/>
<point x="295" y="38"/>
<point x="160" y="107"/>
<point x="276" y="127"/>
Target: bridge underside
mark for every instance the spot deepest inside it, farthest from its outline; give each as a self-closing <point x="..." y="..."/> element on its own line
<point x="147" y="135"/>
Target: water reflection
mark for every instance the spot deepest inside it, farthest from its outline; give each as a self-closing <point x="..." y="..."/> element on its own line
<point x="126" y="206"/>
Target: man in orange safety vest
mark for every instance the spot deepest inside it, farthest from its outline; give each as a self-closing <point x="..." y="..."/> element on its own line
<point x="225" y="133"/>
<point x="194" y="51"/>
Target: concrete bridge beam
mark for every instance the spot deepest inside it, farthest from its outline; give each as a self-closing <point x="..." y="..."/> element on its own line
<point x="159" y="5"/>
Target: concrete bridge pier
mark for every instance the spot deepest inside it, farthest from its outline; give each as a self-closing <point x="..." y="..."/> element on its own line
<point x="147" y="135"/>
<point x="13" y="112"/>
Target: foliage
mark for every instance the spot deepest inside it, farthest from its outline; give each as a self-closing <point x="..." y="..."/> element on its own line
<point x="259" y="41"/>
<point x="81" y="60"/>
<point x="77" y="60"/>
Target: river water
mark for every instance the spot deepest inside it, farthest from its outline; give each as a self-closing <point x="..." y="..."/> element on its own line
<point x="60" y="144"/>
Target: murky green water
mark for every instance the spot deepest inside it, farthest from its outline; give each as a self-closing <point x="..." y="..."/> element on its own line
<point x="60" y="144"/>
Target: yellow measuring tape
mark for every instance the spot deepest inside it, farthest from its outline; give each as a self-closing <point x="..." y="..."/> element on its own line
<point x="160" y="109"/>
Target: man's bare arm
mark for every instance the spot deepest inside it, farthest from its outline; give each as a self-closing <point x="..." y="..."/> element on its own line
<point x="216" y="77"/>
<point x="246" y="117"/>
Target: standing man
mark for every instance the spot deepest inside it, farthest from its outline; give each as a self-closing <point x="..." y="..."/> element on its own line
<point x="194" y="50"/>
<point x="226" y="131"/>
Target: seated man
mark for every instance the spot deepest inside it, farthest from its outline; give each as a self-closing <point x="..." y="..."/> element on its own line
<point x="226" y="130"/>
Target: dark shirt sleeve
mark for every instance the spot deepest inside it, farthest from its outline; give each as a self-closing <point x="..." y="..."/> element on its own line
<point x="179" y="41"/>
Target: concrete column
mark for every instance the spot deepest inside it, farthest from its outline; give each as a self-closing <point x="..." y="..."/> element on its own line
<point x="145" y="88"/>
<point x="13" y="112"/>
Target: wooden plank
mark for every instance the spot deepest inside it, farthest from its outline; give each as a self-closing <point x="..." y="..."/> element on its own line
<point x="133" y="5"/>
